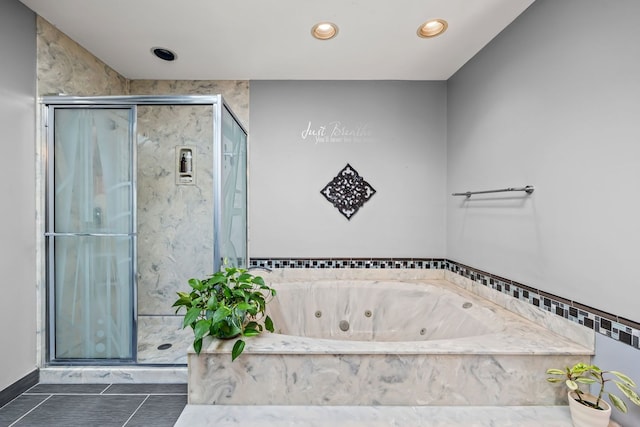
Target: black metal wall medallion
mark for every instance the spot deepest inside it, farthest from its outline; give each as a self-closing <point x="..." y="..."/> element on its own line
<point x="348" y="191"/>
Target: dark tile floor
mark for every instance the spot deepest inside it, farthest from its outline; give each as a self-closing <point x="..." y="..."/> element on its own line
<point x="96" y="405"/>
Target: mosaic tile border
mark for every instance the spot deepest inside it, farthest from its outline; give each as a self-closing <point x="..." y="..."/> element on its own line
<point x="420" y="263"/>
<point x="613" y="326"/>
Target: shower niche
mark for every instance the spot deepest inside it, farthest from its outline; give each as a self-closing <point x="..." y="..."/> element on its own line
<point x="185" y="165"/>
<point x="139" y="200"/>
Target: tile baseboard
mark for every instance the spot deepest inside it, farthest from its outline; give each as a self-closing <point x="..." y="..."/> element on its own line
<point x="19" y="387"/>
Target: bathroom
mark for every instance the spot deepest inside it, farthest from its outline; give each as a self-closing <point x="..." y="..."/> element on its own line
<point x="554" y="109"/>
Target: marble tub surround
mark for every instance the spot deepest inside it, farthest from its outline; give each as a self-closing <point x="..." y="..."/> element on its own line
<point x="617" y="328"/>
<point x="610" y="325"/>
<point x="315" y="376"/>
<point x="502" y="362"/>
<point x="548" y="320"/>
<point x="390" y="311"/>
<point x="561" y="326"/>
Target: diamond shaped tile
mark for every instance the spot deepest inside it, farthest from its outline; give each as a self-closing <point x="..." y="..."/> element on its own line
<point x="348" y="191"/>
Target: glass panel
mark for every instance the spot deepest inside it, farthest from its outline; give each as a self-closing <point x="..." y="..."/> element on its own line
<point x="93" y="305"/>
<point x="234" y="192"/>
<point x="93" y="233"/>
<point x="92" y="171"/>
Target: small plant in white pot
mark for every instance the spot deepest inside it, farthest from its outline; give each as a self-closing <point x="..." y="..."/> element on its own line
<point x="586" y="409"/>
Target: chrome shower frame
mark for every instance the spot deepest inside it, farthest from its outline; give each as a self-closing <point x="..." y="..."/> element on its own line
<point x="48" y="106"/>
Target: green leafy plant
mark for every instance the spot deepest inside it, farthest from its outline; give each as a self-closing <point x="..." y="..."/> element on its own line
<point x="230" y="303"/>
<point x="581" y="373"/>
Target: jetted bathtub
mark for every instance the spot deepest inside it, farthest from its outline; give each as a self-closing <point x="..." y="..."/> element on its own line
<point x="343" y="340"/>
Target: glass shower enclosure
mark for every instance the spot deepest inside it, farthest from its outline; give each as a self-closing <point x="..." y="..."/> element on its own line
<point x="91" y="226"/>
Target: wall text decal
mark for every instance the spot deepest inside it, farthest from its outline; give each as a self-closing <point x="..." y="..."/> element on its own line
<point x="336" y="131"/>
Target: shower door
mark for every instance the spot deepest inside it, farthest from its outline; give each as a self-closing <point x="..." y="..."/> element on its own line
<point x="233" y="210"/>
<point x="90" y="233"/>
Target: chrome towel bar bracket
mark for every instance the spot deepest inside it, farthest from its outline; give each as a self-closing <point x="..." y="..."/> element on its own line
<point x="527" y="189"/>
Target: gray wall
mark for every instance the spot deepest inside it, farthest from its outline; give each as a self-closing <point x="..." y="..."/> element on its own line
<point x="553" y="101"/>
<point x="617" y="356"/>
<point x="552" y="104"/>
<point x="400" y="151"/>
<point x="17" y="190"/>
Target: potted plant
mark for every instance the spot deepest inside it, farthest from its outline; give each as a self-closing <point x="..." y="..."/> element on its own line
<point x="228" y="304"/>
<point x="586" y="409"/>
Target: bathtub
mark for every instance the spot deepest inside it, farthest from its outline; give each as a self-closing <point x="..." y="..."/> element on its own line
<point x="394" y="338"/>
<point x="380" y="311"/>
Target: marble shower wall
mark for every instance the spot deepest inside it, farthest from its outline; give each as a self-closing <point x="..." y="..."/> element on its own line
<point x="66" y="67"/>
<point x="63" y="67"/>
<point x="175" y="222"/>
<point x="234" y="92"/>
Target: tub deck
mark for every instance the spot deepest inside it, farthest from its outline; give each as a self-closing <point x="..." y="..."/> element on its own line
<point x="505" y="367"/>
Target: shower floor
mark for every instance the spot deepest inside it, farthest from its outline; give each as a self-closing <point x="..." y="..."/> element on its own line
<point x="155" y="333"/>
<point x="157" y="362"/>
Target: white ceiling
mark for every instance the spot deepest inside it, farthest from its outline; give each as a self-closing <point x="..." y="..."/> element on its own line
<point x="270" y="39"/>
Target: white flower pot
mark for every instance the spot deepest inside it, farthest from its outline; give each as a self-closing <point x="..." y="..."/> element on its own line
<point x="585" y="416"/>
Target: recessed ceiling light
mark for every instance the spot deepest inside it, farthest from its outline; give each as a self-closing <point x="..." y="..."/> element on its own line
<point x="432" y="28"/>
<point x="324" y="30"/>
<point x="164" y="53"/>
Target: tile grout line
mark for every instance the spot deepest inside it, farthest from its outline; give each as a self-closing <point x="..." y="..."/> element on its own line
<point x="136" y="410"/>
<point x="20" y="395"/>
<point x="30" y="411"/>
<point x="145" y="394"/>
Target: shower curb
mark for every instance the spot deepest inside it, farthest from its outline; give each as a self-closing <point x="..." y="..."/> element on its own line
<point x="113" y="375"/>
